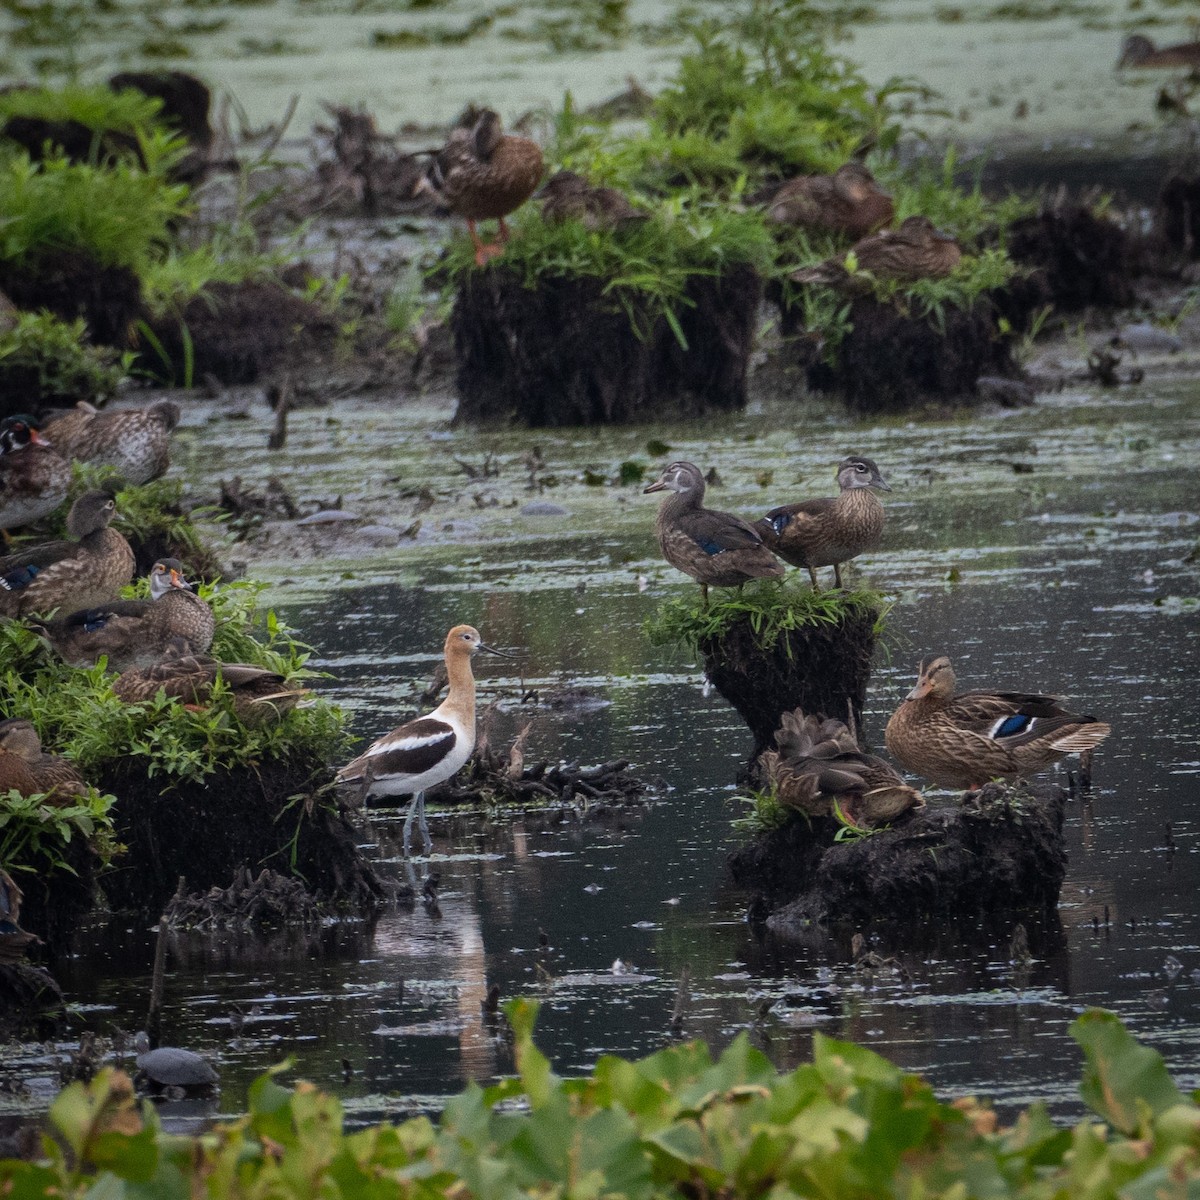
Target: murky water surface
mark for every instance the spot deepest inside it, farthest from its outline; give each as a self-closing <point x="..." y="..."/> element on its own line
<point x="1051" y="549"/>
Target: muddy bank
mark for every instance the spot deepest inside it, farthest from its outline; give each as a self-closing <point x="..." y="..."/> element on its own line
<point x="32" y="1004"/>
<point x="1000" y="851"/>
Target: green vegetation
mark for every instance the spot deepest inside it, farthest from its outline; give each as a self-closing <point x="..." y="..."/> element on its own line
<point x="99" y="108"/>
<point x="764" y="812"/>
<point x="848" y="1124"/>
<point x="772" y="607"/>
<point x="48" y="361"/>
<point x="78" y="716"/>
<point x="35" y="830"/>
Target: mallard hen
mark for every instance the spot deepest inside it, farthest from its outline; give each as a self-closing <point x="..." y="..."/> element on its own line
<point x="916" y="250"/>
<point x="849" y="201"/>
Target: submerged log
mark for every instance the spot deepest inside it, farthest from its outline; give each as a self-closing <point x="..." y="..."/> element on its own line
<point x="564" y="353"/>
<point x="207" y="830"/>
<point x="1000" y="851"/>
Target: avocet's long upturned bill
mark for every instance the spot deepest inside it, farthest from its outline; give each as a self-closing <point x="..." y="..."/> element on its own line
<point x="430" y="749"/>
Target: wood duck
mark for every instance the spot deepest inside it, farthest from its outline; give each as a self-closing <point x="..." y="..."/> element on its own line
<point x="483" y="173"/>
<point x="137" y="442"/>
<point x="259" y="696"/>
<point x="34" y="478"/>
<point x="716" y="549"/>
<point x="48" y="773"/>
<point x="962" y="741"/>
<point x="566" y="195"/>
<point x="83" y="573"/>
<point x="818" y="762"/>
<point x="1139" y="51"/>
<point x="832" y="530"/>
<point x="136" y="633"/>
<point x="849" y="201"/>
<point x="429" y="750"/>
<point x="917" y="250"/>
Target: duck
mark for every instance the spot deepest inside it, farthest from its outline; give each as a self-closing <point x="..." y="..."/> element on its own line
<point x="34" y="478"/>
<point x="567" y="195"/>
<point x="818" y="763"/>
<point x="832" y="530"/>
<point x="1139" y="51"/>
<point x="50" y="774"/>
<point x="483" y="173"/>
<point x="14" y="941"/>
<point x="135" y="633"/>
<point x="421" y="753"/>
<point x="963" y="740"/>
<point x="717" y="549"/>
<point x="916" y="250"/>
<point x="68" y="575"/>
<point x="136" y="441"/>
<point x="849" y="201"/>
<point x="260" y="696"/>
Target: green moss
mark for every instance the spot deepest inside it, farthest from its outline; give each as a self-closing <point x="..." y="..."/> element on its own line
<point x="773" y="608"/>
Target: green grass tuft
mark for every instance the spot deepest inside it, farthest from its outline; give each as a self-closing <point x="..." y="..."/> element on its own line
<point x="764" y="812"/>
<point x="773" y="609"/>
<point x="99" y="108"/>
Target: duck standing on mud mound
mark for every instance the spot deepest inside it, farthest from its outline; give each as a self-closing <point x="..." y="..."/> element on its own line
<point x="849" y="201"/>
<point x="832" y="530"/>
<point x="962" y="741"/>
<point x="34" y="478"/>
<point x="484" y="174"/>
<point x="1139" y="51"/>
<point x="818" y="762"/>
<point x="429" y="750"/>
<point x="49" y="773"/>
<point x="717" y="549"/>
<point x="916" y="250"/>
<point x="137" y="442"/>
<point x="566" y="195"/>
<point x="69" y="575"/>
<point x="136" y="633"/>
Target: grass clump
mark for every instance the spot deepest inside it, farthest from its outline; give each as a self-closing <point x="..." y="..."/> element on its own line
<point x="36" y="830"/>
<point x="764" y="812"/>
<point x="772" y="608"/>
<point x="48" y="361"/>
<point x="99" y="108"/>
<point x="78" y="716"/>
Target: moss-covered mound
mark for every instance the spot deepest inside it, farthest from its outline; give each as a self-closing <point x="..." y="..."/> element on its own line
<point x="772" y="647"/>
<point x="1000" y="851"/>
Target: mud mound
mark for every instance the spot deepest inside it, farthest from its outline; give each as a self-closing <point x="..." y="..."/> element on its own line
<point x="77" y="142"/>
<point x="1001" y="851"/>
<point x="563" y="353"/>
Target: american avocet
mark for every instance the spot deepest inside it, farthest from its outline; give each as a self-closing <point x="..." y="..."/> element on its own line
<point x="430" y="749"/>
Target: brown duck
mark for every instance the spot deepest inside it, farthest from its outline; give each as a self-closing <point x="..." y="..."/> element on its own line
<point x="963" y="740"/>
<point x="88" y="571"/>
<point x="136" y="441"/>
<point x="716" y="549"/>
<point x="916" y="250"/>
<point x="483" y="173"/>
<point x="48" y="773"/>
<point x="34" y="478"/>
<point x="849" y="201"/>
<point x="566" y="195"/>
<point x="136" y="633"/>
<point x="259" y="696"/>
<point x="818" y="762"/>
<point x="1139" y="51"/>
<point x="832" y="530"/>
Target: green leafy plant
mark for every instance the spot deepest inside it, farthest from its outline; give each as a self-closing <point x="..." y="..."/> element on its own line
<point x="765" y="814"/>
<point x="48" y="361"/>
<point x="35" y="830"/>
<point x="99" y="108"/>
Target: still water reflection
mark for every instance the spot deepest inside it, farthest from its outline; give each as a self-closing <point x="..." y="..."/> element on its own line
<point x="1070" y="575"/>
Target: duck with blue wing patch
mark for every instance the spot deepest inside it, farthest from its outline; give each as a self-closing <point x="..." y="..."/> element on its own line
<point x="429" y="750"/>
<point x="716" y="549"/>
<point x="964" y="740"/>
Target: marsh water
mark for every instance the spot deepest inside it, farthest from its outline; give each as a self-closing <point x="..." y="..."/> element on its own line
<point x="1051" y="548"/>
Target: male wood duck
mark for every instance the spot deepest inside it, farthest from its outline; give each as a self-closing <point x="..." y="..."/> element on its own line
<point x="259" y="696"/>
<point x="136" y="441"/>
<point x="832" y="530"/>
<point x="34" y="478"/>
<point x="1139" y="51"/>
<point x="88" y="571"/>
<point x="483" y="173"/>
<point x="566" y="195"/>
<point x="717" y="549"/>
<point x="136" y="633"/>
<point x="49" y="773"/>
<point x="818" y="761"/>
<point x="849" y="201"/>
<point x="962" y="741"/>
<point x="429" y="750"/>
<point x="916" y="250"/>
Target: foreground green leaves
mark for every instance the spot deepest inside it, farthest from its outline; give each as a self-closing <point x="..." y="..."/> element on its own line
<point x="848" y="1124"/>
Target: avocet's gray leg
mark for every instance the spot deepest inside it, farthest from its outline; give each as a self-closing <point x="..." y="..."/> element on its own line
<point x="424" y="828"/>
<point x="408" y="823"/>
